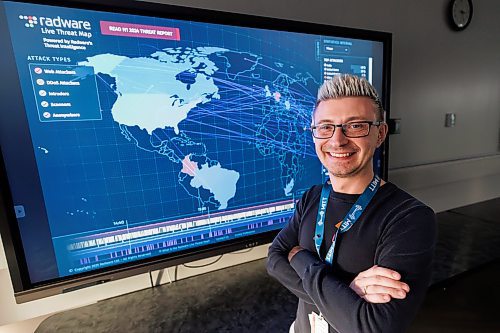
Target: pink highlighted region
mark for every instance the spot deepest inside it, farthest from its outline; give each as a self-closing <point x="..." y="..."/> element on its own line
<point x="189" y="167"/>
<point x="139" y="30"/>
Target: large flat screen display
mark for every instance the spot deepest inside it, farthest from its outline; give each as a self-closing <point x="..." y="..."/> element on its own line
<point x="139" y="135"/>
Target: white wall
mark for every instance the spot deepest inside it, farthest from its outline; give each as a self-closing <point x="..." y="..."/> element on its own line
<point x="3" y="260"/>
<point x="435" y="71"/>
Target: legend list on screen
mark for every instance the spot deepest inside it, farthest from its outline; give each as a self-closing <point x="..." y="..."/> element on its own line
<point x="65" y="92"/>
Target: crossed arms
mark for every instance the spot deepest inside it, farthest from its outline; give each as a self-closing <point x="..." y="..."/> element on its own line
<point x="378" y="299"/>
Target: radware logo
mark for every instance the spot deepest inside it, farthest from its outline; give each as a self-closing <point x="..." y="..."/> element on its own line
<point x="55" y="22"/>
<point x="31" y="21"/>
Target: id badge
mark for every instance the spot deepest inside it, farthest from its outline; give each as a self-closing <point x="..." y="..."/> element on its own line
<point x="318" y="323"/>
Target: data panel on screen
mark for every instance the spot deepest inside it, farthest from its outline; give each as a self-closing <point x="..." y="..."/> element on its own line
<point x="144" y="136"/>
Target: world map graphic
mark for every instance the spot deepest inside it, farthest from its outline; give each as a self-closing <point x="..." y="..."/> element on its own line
<point x="158" y="93"/>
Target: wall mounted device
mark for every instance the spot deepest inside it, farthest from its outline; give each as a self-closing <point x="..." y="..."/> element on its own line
<point x="136" y="136"/>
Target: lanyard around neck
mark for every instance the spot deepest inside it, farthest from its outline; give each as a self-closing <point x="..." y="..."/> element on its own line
<point x="348" y="221"/>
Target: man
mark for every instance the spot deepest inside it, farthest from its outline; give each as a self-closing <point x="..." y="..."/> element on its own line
<point x="376" y="274"/>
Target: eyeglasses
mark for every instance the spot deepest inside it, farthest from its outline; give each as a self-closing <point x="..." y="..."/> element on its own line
<point x="357" y="129"/>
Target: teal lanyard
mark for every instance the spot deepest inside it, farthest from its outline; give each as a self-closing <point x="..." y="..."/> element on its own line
<point x="348" y="221"/>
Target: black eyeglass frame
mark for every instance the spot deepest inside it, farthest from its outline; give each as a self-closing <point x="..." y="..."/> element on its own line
<point x="344" y="126"/>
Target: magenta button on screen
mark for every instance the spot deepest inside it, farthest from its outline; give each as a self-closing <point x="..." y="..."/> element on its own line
<point x="139" y="30"/>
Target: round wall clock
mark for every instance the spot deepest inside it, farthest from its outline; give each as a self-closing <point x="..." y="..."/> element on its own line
<point x="460" y="14"/>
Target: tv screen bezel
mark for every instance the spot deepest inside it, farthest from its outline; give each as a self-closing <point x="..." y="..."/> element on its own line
<point x="24" y="289"/>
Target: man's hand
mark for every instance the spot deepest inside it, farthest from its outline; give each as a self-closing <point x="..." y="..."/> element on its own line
<point x="293" y="252"/>
<point x="379" y="285"/>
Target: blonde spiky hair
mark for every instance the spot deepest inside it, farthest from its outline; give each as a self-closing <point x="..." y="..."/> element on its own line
<point x="347" y="85"/>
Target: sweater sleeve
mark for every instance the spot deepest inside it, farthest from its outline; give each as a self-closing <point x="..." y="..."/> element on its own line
<point x="277" y="259"/>
<point x="406" y="246"/>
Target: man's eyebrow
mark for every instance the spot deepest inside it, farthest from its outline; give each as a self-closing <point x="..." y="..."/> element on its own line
<point x="325" y="121"/>
<point x="353" y="118"/>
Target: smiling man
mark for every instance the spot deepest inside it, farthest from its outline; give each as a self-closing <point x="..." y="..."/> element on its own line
<point x="358" y="251"/>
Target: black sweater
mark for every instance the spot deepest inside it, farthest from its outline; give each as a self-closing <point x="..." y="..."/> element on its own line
<point x="395" y="231"/>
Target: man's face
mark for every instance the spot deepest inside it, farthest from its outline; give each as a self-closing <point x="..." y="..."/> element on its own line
<point x="342" y="156"/>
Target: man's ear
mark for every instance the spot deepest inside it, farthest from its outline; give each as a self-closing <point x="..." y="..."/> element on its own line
<point x="382" y="133"/>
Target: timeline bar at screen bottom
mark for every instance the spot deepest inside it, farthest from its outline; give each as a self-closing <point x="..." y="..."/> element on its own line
<point x="130" y="234"/>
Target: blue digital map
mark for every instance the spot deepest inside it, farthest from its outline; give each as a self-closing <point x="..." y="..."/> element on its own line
<point x="156" y="94"/>
<point x="147" y="146"/>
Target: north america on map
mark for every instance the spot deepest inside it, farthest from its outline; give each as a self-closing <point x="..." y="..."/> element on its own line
<point x="179" y="80"/>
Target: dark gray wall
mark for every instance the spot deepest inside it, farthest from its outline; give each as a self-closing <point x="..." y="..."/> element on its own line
<point x="434" y="71"/>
